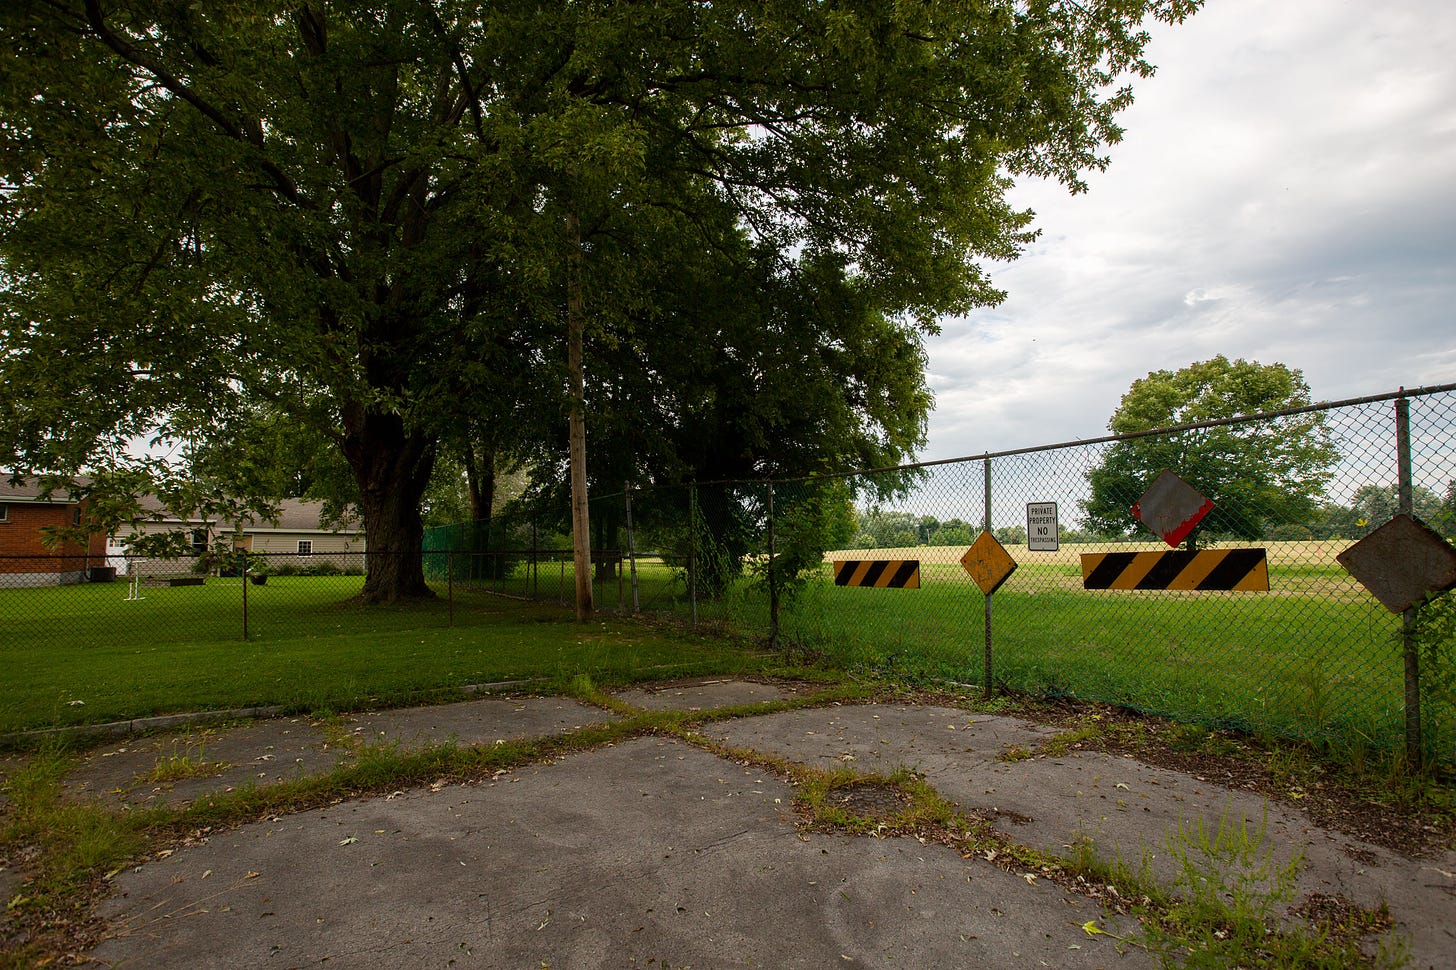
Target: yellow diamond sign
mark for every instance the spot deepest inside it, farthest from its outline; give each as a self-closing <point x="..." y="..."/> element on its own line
<point x="988" y="562"/>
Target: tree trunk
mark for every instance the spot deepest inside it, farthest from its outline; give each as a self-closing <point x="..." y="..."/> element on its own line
<point x="392" y="467"/>
<point x="606" y="525"/>
<point x="480" y="478"/>
<point x="576" y="427"/>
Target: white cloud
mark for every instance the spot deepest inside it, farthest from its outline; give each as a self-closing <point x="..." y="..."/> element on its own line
<point x="1286" y="191"/>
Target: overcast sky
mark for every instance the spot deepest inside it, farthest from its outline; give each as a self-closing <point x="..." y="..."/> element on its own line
<point x="1285" y="191"/>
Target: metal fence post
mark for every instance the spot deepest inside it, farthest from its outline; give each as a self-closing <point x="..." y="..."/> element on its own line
<point x="773" y="586"/>
<point x="243" y="572"/>
<point x="692" y="549"/>
<point x="632" y="553"/>
<point x="986" y="690"/>
<point x="1405" y="504"/>
<point x="450" y="583"/>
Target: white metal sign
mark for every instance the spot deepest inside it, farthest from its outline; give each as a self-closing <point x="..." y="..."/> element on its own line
<point x="1041" y="527"/>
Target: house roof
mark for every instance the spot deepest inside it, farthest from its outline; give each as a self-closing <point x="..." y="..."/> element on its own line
<point x="29" y="491"/>
<point x="294" y="515"/>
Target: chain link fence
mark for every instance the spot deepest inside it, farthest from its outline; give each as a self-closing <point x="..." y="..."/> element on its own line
<point x="1314" y="657"/>
<point x="77" y="600"/>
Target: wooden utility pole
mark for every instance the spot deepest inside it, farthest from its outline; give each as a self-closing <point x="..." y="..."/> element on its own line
<point x="576" y="425"/>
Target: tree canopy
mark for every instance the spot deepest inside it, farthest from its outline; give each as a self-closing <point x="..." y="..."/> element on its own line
<point x="1257" y="473"/>
<point x="1371" y="506"/>
<point x="361" y="216"/>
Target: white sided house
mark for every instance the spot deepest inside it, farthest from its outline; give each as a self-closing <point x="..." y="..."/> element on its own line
<point x="297" y="538"/>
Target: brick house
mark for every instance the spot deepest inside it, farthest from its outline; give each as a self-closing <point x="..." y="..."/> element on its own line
<point x="25" y="560"/>
<point x="298" y="537"/>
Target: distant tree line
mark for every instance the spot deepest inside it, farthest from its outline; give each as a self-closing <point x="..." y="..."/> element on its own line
<point x="1370" y="507"/>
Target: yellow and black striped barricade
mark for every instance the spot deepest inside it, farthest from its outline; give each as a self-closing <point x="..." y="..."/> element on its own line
<point x="1246" y="570"/>
<point x="880" y="573"/>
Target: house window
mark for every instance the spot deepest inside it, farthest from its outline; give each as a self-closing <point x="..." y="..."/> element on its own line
<point x="305" y="547"/>
<point x="4" y="512"/>
<point x="199" y="541"/>
<point x="76" y="515"/>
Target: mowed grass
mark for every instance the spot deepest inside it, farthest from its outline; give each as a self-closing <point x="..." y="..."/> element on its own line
<point x="86" y="654"/>
<point x="1315" y="658"/>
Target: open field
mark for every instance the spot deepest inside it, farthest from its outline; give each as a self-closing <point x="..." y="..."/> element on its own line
<point x="1289" y="554"/>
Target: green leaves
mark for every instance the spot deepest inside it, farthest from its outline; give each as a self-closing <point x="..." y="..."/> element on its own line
<point x="1259" y="474"/>
<point x="356" y="214"/>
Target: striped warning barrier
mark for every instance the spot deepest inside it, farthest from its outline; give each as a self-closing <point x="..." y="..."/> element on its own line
<point x="881" y="573"/>
<point x="1246" y="570"/>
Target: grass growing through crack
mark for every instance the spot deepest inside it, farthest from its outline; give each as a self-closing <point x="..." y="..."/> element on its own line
<point x="71" y="845"/>
<point x="899" y="803"/>
<point x="1228" y="905"/>
<point x="181" y="765"/>
<point x="69" y="848"/>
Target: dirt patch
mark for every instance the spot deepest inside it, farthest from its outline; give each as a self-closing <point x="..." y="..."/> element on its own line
<point x="1015" y="818"/>
<point x="1341" y="918"/>
<point x="871" y="801"/>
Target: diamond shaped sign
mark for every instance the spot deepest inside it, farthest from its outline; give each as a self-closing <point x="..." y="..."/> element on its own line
<point x="988" y="563"/>
<point x="1171" y="507"/>
<point x="1401" y="562"/>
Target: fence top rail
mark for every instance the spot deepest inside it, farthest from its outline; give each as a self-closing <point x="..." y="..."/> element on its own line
<point x="1403" y="392"/>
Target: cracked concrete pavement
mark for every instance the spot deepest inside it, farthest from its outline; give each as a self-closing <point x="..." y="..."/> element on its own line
<point x="657" y="852"/>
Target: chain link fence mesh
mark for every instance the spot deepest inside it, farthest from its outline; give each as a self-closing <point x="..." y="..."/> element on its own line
<point x="1315" y="657"/>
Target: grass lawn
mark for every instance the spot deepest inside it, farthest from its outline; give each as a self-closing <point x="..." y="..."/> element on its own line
<point x="85" y="654"/>
<point x="1315" y="658"/>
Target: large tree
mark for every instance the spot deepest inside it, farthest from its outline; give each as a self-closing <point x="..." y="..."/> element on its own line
<point x="1257" y="473"/>
<point x="209" y="206"/>
<point x="746" y="365"/>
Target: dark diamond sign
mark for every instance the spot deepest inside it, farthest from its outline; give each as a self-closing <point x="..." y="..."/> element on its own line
<point x="1171" y="507"/>
<point x="1401" y="563"/>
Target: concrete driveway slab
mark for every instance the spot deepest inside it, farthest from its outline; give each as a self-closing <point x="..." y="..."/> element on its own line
<point x="481" y="721"/>
<point x="648" y="853"/>
<point x="1125" y="808"/>
<point x="706" y="694"/>
<point x="169" y="769"/>
<point x="1130" y="810"/>
<point x="883" y="737"/>
<point x="655" y="852"/>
